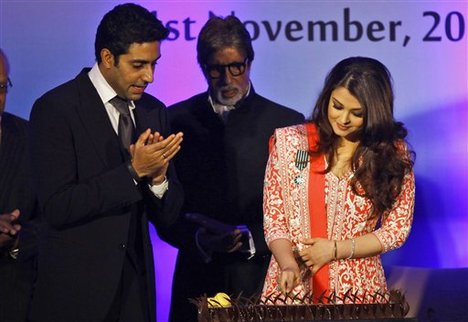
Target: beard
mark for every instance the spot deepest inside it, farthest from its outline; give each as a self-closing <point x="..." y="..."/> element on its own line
<point x="231" y="101"/>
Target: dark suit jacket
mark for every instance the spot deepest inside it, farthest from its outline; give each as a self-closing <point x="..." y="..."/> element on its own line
<point x="221" y="167"/>
<point x="87" y="196"/>
<point x="16" y="191"/>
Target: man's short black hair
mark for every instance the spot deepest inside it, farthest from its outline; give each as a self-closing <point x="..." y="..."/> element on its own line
<point x="124" y="25"/>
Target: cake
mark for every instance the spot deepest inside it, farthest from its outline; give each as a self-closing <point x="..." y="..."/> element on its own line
<point x="389" y="306"/>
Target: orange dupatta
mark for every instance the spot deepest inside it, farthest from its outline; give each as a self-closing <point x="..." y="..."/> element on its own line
<point x="317" y="209"/>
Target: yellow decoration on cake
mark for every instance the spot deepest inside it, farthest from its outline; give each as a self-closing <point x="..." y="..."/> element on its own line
<point x="219" y="300"/>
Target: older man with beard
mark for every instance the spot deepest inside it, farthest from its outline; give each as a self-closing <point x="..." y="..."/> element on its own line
<point x="219" y="233"/>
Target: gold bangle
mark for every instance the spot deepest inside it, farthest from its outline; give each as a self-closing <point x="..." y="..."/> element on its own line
<point x="353" y="248"/>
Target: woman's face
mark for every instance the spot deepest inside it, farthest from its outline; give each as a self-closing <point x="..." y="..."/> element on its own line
<point x="345" y="113"/>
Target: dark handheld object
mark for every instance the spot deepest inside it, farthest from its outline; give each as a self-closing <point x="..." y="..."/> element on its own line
<point x="212" y="225"/>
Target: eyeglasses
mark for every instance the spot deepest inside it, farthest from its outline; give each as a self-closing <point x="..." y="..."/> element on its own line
<point x="4" y="87"/>
<point x="235" y="69"/>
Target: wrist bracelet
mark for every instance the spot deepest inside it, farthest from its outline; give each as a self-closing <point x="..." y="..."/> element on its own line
<point x="353" y="248"/>
<point x="132" y="171"/>
<point x="335" y="251"/>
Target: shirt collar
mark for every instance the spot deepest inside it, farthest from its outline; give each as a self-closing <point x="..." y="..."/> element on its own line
<point x="105" y="91"/>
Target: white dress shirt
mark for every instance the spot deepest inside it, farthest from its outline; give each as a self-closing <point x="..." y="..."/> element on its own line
<point x="106" y="93"/>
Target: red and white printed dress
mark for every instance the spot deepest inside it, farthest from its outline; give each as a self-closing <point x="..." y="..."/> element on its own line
<point x="286" y="215"/>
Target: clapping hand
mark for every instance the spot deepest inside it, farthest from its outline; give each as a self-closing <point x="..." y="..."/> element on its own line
<point x="152" y="152"/>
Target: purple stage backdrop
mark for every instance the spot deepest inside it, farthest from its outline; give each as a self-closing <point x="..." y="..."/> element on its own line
<point x="423" y="43"/>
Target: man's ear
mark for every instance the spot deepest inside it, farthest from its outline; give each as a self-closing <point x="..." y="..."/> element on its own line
<point x="107" y="58"/>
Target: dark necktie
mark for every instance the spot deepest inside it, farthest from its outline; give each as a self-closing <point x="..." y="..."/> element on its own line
<point x="126" y="128"/>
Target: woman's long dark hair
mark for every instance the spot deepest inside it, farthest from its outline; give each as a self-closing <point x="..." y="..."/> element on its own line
<point x="379" y="162"/>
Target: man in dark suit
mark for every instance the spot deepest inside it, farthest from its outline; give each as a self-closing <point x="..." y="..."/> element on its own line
<point x="96" y="191"/>
<point x="221" y="167"/>
<point x="19" y="222"/>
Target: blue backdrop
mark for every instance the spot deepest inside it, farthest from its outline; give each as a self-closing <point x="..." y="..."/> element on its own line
<point x="423" y="43"/>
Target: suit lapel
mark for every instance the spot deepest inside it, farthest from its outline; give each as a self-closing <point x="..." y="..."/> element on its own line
<point x="204" y="113"/>
<point x="148" y="116"/>
<point x="96" y="121"/>
<point x="142" y="120"/>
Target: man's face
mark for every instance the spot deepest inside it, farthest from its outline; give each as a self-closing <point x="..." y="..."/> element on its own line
<point x="226" y="88"/>
<point x="133" y="71"/>
<point x="3" y="81"/>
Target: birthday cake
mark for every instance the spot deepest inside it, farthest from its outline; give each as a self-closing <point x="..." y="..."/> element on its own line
<point x="390" y="306"/>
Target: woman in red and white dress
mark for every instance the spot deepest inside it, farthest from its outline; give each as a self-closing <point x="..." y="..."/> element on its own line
<point x="339" y="190"/>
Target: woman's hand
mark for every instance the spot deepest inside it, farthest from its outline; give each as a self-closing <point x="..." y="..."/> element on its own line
<point x="289" y="279"/>
<point x="319" y="253"/>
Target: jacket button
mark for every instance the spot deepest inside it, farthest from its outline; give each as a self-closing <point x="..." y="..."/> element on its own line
<point x="122" y="246"/>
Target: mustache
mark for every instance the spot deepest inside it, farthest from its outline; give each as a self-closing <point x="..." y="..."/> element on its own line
<point x="229" y="88"/>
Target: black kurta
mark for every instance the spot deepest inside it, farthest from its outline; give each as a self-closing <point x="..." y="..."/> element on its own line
<point x="221" y="167"/>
